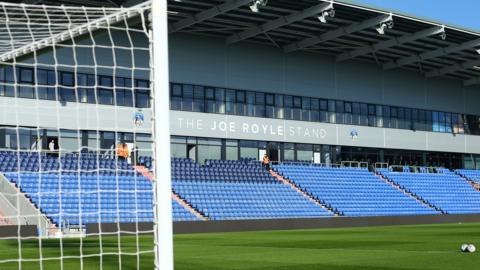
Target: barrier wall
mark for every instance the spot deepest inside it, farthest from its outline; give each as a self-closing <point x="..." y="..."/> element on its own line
<point x="314" y="223"/>
<point x="279" y="224"/>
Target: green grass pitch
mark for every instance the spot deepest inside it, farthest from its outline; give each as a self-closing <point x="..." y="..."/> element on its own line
<point x="393" y="247"/>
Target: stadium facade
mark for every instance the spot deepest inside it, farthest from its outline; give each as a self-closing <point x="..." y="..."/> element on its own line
<point x="283" y="82"/>
<point x="277" y="81"/>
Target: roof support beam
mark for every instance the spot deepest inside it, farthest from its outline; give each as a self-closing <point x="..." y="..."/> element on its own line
<point x="432" y="54"/>
<point x="279" y="22"/>
<point x="391" y="43"/>
<point x="339" y="32"/>
<point x="472" y="81"/>
<point x="208" y="14"/>
<point x="452" y="68"/>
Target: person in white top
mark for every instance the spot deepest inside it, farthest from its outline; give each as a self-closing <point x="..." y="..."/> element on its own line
<point x="51" y="145"/>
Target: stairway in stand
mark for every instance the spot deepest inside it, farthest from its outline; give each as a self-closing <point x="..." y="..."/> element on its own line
<point x="309" y="196"/>
<point x="187" y="206"/>
<point x="410" y="194"/>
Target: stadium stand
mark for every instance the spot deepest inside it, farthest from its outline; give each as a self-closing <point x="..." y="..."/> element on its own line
<point x="445" y="190"/>
<point x="82" y="188"/>
<point x="229" y="190"/>
<point x="472" y="175"/>
<point x="105" y="190"/>
<point x="182" y="214"/>
<point x="352" y="192"/>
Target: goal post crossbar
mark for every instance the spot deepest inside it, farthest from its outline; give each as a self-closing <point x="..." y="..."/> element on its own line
<point x="117" y="15"/>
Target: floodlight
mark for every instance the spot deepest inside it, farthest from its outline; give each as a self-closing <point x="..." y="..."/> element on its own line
<point x="325" y="14"/>
<point x="478" y="51"/>
<point x="254" y="7"/>
<point x="381" y="28"/>
<point x="443" y="35"/>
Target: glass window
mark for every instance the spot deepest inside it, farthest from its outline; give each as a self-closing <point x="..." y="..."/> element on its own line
<point x="279" y="110"/>
<point x="2" y="81"/>
<point x="448" y="122"/>
<point x="323" y="105"/>
<point x="67" y="89"/>
<point x="297" y="102"/>
<point x="230" y="101"/>
<point x="288" y="151"/>
<point x="269" y="99"/>
<point x="260" y="105"/>
<point x="178" y="150"/>
<point x="187" y="91"/>
<point x="176" y="90"/>
<point x="105" y="92"/>
<point x="441" y="122"/>
<point x="142" y="94"/>
<point x="259" y="98"/>
<point x="209" y="93"/>
<point x="379" y="115"/>
<point x="231" y="151"/>
<point x="249" y="149"/>
<point x="25" y="88"/>
<point x="339" y="106"/>
<point x="314" y="112"/>
<point x="86" y="88"/>
<point x="210" y="103"/>
<point x="279" y="100"/>
<point x="241" y="96"/>
<point x="304" y="152"/>
<point x="9" y="90"/>
<point x="348" y="107"/>
<point x="363" y="109"/>
<point x="128" y="93"/>
<point x="331" y="106"/>
<point x="198" y="92"/>
<point x="220" y="100"/>
<point x="198" y="99"/>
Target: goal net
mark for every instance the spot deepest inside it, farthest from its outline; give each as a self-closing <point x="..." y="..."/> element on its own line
<point x="83" y="183"/>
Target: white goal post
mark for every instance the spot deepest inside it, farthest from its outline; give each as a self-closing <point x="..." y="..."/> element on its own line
<point x="84" y="137"/>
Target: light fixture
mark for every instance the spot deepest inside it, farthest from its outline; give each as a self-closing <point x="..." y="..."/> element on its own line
<point x="325" y="14"/>
<point x="443" y="35"/>
<point x="381" y="28"/>
<point x="255" y="6"/>
<point x="478" y="51"/>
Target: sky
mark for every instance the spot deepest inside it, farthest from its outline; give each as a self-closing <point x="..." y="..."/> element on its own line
<point x="459" y="13"/>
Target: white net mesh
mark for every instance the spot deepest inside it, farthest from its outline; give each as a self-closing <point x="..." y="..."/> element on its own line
<point x="76" y="182"/>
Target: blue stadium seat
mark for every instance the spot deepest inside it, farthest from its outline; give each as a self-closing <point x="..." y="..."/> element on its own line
<point x="352" y="191"/>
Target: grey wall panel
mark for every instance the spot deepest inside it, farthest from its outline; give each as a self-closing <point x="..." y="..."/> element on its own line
<point x="399" y="139"/>
<point x="367" y="136"/>
<point x="404" y="88"/>
<point x="252" y="66"/>
<point x="197" y="60"/>
<point x="205" y="60"/>
<point x="472" y="99"/>
<point x="130" y="51"/>
<point x="309" y="75"/>
<point x="51" y="114"/>
<point x="446" y="142"/>
<point x="263" y="129"/>
<point x="357" y="81"/>
<point x="472" y="144"/>
<point x="444" y="94"/>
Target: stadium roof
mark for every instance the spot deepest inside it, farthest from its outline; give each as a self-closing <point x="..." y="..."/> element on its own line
<point x="350" y="32"/>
